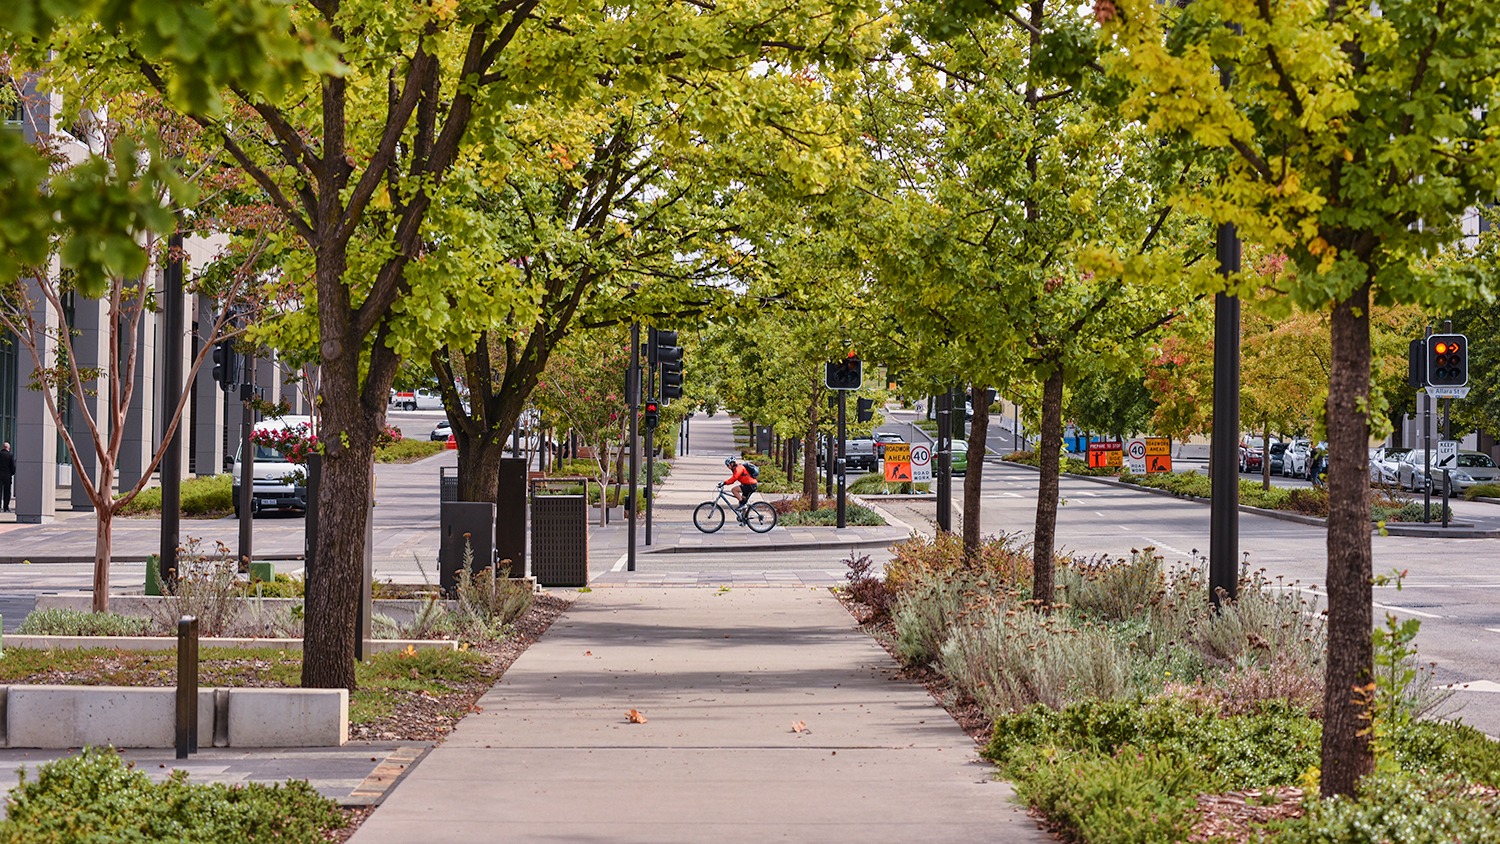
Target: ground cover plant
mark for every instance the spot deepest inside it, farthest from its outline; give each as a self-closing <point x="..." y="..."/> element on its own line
<point x="96" y="796"/>
<point x="1482" y="491"/>
<point x="1070" y="465"/>
<point x="874" y="483"/>
<point x="1134" y="711"/>
<point x="202" y="498"/>
<point x="407" y="450"/>
<point x="1386" y="504"/>
<point x="793" y="512"/>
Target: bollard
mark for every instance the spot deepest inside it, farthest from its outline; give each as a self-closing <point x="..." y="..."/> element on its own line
<point x="187" y="686"/>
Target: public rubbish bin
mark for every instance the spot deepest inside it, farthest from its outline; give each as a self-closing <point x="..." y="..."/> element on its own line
<point x="464" y="524"/>
<point x="447" y="483"/>
<point x="559" y="531"/>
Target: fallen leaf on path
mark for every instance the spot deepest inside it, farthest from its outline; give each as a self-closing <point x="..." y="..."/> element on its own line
<point x="799" y="726"/>
<point x="635" y="717"/>
<point x="588" y="653"/>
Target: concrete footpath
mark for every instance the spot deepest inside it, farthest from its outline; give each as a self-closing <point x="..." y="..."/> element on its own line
<point x="722" y="678"/>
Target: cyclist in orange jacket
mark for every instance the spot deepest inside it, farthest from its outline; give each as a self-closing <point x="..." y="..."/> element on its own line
<point x="741" y="476"/>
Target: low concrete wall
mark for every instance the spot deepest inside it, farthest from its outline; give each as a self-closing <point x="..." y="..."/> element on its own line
<point x="169" y="643"/>
<point x="127" y="716"/>
<point x="400" y="610"/>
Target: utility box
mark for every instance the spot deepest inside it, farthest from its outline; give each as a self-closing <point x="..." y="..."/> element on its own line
<point x="460" y="523"/>
<point x="510" y="516"/>
<point x="560" y="532"/>
<point x="763" y="439"/>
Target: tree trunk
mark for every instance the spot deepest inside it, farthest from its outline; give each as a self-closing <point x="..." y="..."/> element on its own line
<point x="479" y="466"/>
<point x="978" y="432"/>
<point x="102" y="535"/>
<point x="810" y="457"/>
<point x="1347" y="754"/>
<point x="1265" y="455"/>
<point x="1048" y="448"/>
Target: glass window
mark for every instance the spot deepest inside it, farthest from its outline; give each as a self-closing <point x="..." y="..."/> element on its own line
<point x="1475" y="461"/>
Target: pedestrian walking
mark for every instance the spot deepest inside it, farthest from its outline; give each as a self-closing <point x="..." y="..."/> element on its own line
<point x="7" y="475"/>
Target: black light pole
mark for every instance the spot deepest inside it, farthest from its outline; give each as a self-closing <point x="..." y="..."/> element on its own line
<point x="171" y="461"/>
<point x="651" y="362"/>
<point x="247" y="462"/>
<point x="944" y="461"/>
<point x="1224" y="517"/>
<point x="633" y="397"/>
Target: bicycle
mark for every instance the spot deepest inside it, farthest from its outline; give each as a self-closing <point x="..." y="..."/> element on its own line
<point x="709" y="516"/>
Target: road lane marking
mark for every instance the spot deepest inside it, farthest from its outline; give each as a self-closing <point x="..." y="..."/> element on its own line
<point x="1100" y="515"/>
<point x="620" y="563"/>
<point x="1474" y="686"/>
<point x="1011" y="494"/>
<point x="1162" y="546"/>
<point x="1418" y="613"/>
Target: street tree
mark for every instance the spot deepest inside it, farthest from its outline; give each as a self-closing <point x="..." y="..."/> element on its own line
<point x="1352" y="136"/>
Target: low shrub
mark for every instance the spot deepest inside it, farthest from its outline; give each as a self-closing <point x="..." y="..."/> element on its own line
<point x="407" y="451"/>
<point x="1002" y="561"/>
<point x="874" y="483"/>
<point x="1420" y="809"/>
<point x="1482" y="491"/>
<point x="210" y="496"/>
<point x="96" y="796"/>
<point x="1070" y="465"/>
<point x="1142" y="797"/>
<point x="827" y="516"/>
<point x="57" y="621"/>
<point x="865" y="587"/>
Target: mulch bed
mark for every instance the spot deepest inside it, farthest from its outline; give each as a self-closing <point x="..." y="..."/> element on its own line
<point x="1222" y="818"/>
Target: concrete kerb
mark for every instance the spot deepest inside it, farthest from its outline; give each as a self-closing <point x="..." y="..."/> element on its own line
<point x="125" y="716"/>
<point x="169" y="643"/>
<point x="1455" y="531"/>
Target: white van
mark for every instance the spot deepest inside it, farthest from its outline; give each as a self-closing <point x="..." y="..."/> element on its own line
<point x="272" y="490"/>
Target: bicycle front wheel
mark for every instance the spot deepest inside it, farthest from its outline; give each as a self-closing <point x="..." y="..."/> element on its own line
<point x="709" y="517"/>
<point x="761" y="517"/>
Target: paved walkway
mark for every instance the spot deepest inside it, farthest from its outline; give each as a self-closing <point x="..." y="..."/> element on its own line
<point x="722" y="678"/>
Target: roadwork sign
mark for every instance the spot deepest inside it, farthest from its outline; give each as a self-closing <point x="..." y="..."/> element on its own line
<point x="1135" y="456"/>
<point x="1104" y="455"/>
<point x="1158" y="454"/>
<point x="897" y="472"/>
<point x="921" y="464"/>
<point x="897" y="453"/>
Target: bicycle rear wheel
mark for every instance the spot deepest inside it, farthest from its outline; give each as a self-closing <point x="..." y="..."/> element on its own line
<point x="761" y="517"/>
<point x="709" y="517"/>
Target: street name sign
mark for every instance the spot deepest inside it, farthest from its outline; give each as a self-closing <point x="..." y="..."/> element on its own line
<point x="1448" y="392"/>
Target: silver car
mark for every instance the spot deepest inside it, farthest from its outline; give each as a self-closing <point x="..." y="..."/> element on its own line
<point x="1294" y="460"/>
<point x="1474" y="468"/>
<point x="1385" y="465"/>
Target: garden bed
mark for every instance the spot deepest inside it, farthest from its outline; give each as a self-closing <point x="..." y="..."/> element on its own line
<point x="1134" y="712"/>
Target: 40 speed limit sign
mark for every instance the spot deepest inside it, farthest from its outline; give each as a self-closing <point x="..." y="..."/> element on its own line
<point x="921" y="464"/>
<point x="1135" y="456"/>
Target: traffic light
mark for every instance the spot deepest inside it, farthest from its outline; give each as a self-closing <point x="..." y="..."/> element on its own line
<point x="864" y="410"/>
<point x="651" y="414"/>
<point x="1447" y="360"/>
<point x="844" y="374"/>
<point x="226" y="365"/>
<point x="1416" y="364"/>
<point x="668" y="355"/>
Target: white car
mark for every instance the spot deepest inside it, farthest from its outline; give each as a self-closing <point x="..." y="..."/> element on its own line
<point x="1294" y="460"/>
<point x="276" y="485"/>
<point x="441" y="432"/>
<point x="1385" y="465"/>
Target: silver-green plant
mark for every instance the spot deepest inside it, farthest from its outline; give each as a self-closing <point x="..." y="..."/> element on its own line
<point x="207" y="587"/>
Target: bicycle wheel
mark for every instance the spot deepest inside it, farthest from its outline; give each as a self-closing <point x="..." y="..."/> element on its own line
<point x="709" y="517"/>
<point x="761" y="517"/>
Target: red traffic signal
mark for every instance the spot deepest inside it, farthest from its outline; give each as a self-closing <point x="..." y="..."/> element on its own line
<point x="1447" y="360"/>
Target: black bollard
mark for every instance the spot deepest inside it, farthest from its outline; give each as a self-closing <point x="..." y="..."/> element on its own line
<point x="187" y="686"/>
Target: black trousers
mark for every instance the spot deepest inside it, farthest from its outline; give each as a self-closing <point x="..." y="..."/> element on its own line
<point x="5" y="492"/>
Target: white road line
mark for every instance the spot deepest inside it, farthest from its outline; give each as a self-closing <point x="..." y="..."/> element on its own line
<point x="1011" y="494"/>
<point x="620" y="563"/>
<point x="1418" y="613"/>
<point x="1493" y="629"/>
<point x="1100" y="515"/>
<point x="1162" y="546"/>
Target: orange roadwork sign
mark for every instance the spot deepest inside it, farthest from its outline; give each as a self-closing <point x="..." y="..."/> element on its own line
<point x="1158" y="454"/>
<point x="897" y="471"/>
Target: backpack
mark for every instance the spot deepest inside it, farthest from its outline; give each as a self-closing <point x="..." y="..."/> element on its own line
<point x="752" y="469"/>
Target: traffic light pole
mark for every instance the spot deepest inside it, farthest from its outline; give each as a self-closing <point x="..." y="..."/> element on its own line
<point x="1427" y="448"/>
<point x="839" y="466"/>
<point x="650" y="429"/>
<point x="1447" y="410"/>
<point x="633" y="388"/>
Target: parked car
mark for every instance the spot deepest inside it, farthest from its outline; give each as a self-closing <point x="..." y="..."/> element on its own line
<point x="1411" y="471"/>
<point x="1385" y="464"/>
<point x="883" y="437"/>
<point x="442" y="431"/>
<point x="276" y="483"/>
<point x="1294" y="459"/>
<point x="1250" y="454"/>
<point x="1474" y="467"/>
<point x="1278" y="450"/>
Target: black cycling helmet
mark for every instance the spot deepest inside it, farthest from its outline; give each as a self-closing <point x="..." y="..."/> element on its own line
<point x="729" y="462"/>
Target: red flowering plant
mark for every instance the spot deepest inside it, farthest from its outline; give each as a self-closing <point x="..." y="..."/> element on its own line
<point x="295" y="442"/>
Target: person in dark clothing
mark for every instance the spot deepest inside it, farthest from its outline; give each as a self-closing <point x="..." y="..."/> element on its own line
<point x="7" y="474"/>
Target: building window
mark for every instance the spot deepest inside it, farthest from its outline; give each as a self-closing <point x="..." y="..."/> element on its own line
<point x="9" y="385"/>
